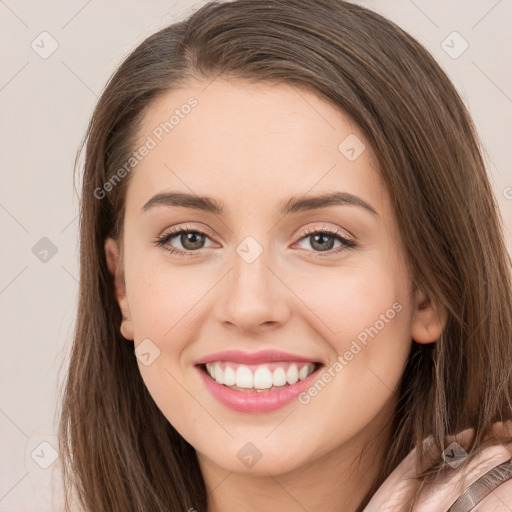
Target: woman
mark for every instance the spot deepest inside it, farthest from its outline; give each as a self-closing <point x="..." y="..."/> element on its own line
<point x="295" y="293"/>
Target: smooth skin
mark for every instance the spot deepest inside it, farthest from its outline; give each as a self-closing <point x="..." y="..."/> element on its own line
<point x="252" y="147"/>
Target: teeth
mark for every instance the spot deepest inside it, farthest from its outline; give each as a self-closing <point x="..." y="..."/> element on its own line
<point x="279" y="377"/>
<point x="229" y="376"/>
<point x="219" y="375"/>
<point x="292" y="375"/>
<point x="303" y="373"/>
<point x="242" y="376"/>
<point x="262" y="379"/>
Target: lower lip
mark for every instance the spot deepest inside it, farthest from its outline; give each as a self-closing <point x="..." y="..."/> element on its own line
<point x="256" y="401"/>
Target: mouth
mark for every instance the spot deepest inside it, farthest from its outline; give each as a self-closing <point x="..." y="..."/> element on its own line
<point x="253" y="388"/>
<point x="258" y="378"/>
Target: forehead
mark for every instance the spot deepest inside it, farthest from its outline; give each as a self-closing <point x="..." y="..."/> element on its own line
<point x="252" y="140"/>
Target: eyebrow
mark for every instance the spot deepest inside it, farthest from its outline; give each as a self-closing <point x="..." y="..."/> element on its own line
<point x="292" y="205"/>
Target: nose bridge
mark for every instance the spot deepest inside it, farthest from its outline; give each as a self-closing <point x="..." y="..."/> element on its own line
<point x="251" y="266"/>
<point x="250" y="280"/>
<point x="254" y="296"/>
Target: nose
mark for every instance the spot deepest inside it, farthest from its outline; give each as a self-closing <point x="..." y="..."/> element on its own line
<point x="254" y="298"/>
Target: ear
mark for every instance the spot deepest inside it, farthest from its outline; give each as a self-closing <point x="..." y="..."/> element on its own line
<point x="115" y="266"/>
<point x="428" y="320"/>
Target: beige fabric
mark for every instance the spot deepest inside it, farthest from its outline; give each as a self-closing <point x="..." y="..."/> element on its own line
<point x="478" y="490"/>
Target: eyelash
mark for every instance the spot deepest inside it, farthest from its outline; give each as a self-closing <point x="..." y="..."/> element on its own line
<point x="162" y="240"/>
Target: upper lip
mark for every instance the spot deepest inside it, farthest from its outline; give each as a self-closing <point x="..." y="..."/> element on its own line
<point x="264" y="356"/>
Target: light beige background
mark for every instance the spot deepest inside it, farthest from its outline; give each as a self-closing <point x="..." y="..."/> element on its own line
<point x="45" y="105"/>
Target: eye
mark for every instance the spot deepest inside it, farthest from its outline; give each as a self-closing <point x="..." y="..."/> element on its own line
<point x="191" y="240"/>
<point x="322" y="240"/>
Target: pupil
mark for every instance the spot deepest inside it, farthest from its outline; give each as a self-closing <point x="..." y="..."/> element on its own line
<point x="322" y="245"/>
<point x="192" y="240"/>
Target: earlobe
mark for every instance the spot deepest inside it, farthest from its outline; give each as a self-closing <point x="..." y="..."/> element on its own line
<point x="115" y="267"/>
<point x="429" y="320"/>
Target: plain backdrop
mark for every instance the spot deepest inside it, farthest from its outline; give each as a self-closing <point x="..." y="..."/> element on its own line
<point x="46" y="100"/>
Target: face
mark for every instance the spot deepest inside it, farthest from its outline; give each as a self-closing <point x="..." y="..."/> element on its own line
<point x="261" y="281"/>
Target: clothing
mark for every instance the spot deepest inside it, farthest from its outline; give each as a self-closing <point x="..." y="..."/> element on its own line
<point x="478" y="490"/>
<point x="455" y="490"/>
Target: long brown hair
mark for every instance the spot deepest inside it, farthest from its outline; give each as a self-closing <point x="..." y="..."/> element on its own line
<point x="118" y="450"/>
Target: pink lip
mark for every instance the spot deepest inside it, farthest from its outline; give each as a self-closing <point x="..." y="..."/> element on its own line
<point x="254" y="401"/>
<point x="265" y="356"/>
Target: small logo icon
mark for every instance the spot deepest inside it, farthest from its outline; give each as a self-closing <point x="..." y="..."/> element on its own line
<point x="147" y="352"/>
<point x="44" y="45"/>
<point x="249" y="455"/>
<point x="351" y="147"/>
<point x="454" y="45"/>
<point x="44" y="455"/>
<point x="249" y="249"/>
<point x="44" y="249"/>
<point x="454" y="455"/>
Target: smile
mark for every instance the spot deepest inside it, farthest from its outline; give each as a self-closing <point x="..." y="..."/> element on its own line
<point x="258" y="377"/>
<point x="244" y="385"/>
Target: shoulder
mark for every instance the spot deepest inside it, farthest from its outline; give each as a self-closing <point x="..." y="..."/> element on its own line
<point x="499" y="500"/>
<point x="444" y="492"/>
<point x="401" y="487"/>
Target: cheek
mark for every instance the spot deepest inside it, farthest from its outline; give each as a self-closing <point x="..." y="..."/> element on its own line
<point x="365" y="318"/>
<point x="163" y="307"/>
<point x="353" y="303"/>
<point x="164" y="302"/>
